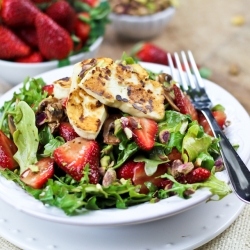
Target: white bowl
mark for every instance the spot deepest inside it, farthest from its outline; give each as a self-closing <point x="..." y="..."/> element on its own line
<point x="141" y="27"/>
<point x="14" y="73"/>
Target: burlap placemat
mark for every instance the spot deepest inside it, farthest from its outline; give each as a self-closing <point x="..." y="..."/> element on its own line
<point x="236" y="237"/>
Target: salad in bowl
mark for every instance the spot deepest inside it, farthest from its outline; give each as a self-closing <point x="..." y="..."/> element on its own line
<point x="111" y="135"/>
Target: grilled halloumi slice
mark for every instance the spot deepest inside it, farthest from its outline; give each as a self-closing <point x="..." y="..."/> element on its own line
<point x="85" y="113"/>
<point x="126" y="87"/>
<point x="62" y="87"/>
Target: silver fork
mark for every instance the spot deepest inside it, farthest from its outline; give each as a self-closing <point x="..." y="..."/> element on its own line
<point x="238" y="173"/>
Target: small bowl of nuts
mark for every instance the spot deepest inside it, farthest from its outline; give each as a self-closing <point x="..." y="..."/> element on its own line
<point x="140" y="20"/>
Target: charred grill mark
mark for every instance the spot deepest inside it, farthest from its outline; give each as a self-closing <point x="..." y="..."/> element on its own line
<point x="142" y="83"/>
<point x="87" y="66"/>
<point x="98" y="104"/>
<point x="81" y="118"/>
<point x="150" y="108"/>
<point x="139" y="108"/>
<point x="129" y="91"/>
<point x="119" y="98"/>
<point x="98" y="123"/>
<point x="66" y="78"/>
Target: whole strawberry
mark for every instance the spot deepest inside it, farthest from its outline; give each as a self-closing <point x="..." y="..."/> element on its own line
<point x="82" y="27"/>
<point x="63" y="14"/>
<point x="16" y="13"/>
<point x="35" y="57"/>
<point x="148" y="52"/>
<point x="66" y="131"/>
<point x="28" y="35"/>
<point x="11" y="46"/>
<point x="54" y="42"/>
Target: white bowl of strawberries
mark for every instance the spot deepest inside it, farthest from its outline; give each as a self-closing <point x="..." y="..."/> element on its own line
<point x="40" y="35"/>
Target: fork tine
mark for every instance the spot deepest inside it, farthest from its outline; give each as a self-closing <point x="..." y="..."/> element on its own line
<point x="187" y="68"/>
<point x="171" y="65"/>
<point x="195" y="70"/>
<point x="183" y="81"/>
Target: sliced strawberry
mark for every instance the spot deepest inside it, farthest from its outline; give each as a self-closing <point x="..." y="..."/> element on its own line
<point x="219" y="116"/>
<point x="148" y="52"/>
<point x="165" y="183"/>
<point x="16" y="13"/>
<point x="49" y="89"/>
<point x="54" y="41"/>
<point x="63" y="14"/>
<point x="140" y="176"/>
<point x="11" y="46"/>
<point x="7" y="150"/>
<point x="196" y="175"/>
<point x="144" y="131"/>
<point x="126" y="171"/>
<point x="183" y="102"/>
<point x="37" y="179"/>
<point x="42" y="1"/>
<point x="136" y="172"/>
<point x="35" y="57"/>
<point x="64" y="102"/>
<point x="82" y="28"/>
<point x="74" y="155"/>
<point x="67" y="132"/>
<point x="92" y="3"/>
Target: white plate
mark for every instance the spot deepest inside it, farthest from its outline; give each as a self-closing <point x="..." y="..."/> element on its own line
<point x="237" y="132"/>
<point x="185" y="231"/>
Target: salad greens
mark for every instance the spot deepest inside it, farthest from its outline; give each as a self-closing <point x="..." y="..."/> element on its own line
<point x="26" y="136"/>
<point x="74" y="197"/>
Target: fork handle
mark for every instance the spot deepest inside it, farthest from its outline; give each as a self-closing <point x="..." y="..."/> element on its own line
<point x="238" y="172"/>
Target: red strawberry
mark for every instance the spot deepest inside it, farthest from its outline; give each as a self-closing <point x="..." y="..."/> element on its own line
<point x="16" y="13"/>
<point x="11" y="46"/>
<point x="135" y="171"/>
<point x="92" y="3"/>
<point x="49" y="89"/>
<point x="219" y="116"/>
<point x="42" y="1"/>
<point x="63" y="14"/>
<point x="196" y="175"/>
<point x="7" y="150"/>
<point x="126" y="171"/>
<point x="144" y="131"/>
<point x="28" y="35"/>
<point x="183" y="102"/>
<point x="73" y="156"/>
<point x="64" y="102"/>
<point x="165" y="183"/>
<point x="82" y="28"/>
<point x="54" y="41"/>
<point x="148" y="52"/>
<point x="35" y="57"/>
<point x="67" y="132"/>
<point x="37" y="179"/>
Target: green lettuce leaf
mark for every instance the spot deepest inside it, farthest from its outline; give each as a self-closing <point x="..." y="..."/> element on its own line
<point x="26" y="136"/>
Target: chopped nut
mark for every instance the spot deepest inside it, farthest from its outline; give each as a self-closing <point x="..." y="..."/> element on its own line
<point x="109" y="177"/>
<point x="238" y="20"/>
<point x="234" y="69"/>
